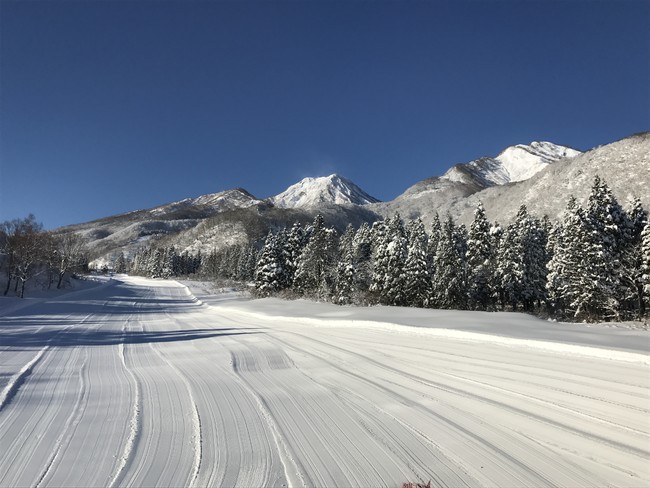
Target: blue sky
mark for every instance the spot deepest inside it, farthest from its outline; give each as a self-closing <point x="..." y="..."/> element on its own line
<point x="107" y="107"/>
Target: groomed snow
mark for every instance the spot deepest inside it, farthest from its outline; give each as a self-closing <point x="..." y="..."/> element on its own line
<point x="141" y="383"/>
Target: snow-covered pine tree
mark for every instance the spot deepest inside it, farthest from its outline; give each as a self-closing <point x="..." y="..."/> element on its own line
<point x="556" y="274"/>
<point x="246" y="264"/>
<point x="395" y="279"/>
<point x="120" y="265"/>
<point x="607" y="226"/>
<point x="169" y="256"/>
<point x="296" y="240"/>
<point x="416" y="269"/>
<point x="316" y="264"/>
<point x="448" y="286"/>
<point x="362" y="248"/>
<point x="509" y="270"/>
<point x="379" y="240"/>
<point x="432" y="245"/>
<point x="270" y="275"/>
<point x="534" y="260"/>
<point x="568" y="269"/>
<point x="155" y="265"/>
<point x="631" y="291"/>
<point x="345" y="272"/>
<point x="388" y="280"/>
<point x="645" y="264"/>
<point x="479" y="261"/>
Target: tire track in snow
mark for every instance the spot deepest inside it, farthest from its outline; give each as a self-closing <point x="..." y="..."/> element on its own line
<point x="196" y="419"/>
<point x="282" y="448"/>
<point x="134" y="423"/>
<point x="496" y="403"/>
<point x="73" y="420"/>
<point x="490" y="447"/>
<point x="17" y="380"/>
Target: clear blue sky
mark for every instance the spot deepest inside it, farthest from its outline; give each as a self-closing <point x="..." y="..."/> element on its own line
<point x="113" y="106"/>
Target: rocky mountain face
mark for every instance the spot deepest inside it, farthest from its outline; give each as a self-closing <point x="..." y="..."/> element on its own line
<point x="541" y="174"/>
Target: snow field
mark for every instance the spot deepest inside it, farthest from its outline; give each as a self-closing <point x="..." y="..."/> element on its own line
<point x="139" y="384"/>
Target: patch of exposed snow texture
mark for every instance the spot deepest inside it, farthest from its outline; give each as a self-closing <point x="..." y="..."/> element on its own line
<point x="311" y="192"/>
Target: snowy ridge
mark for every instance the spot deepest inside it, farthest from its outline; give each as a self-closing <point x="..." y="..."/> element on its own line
<point x="523" y="161"/>
<point x="311" y="192"/>
<point x="515" y="163"/>
<point x="216" y="202"/>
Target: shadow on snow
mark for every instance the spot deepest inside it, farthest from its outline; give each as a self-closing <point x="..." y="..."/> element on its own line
<point x="81" y="336"/>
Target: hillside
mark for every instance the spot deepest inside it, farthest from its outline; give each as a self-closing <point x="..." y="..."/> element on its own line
<point x="541" y="175"/>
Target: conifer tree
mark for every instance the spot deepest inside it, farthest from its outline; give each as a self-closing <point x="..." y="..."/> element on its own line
<point x="315" y="273"/>
<point x="605" y="218"/>
<point x="416" y="269"/>
<point x="362" y="249"/>
<point x="479" y="261"/>
<point x="345" y="271"/>
<point x="448" y="285"/>
<point x="388" y="281"/>
<point x="631" y="290"/>
<point x="270" y="275"/>
<point x="509" y="272"/>
<point x="645" y="265"/>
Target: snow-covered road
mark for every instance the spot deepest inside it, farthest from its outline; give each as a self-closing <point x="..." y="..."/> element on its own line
<point x="136" y="383"/>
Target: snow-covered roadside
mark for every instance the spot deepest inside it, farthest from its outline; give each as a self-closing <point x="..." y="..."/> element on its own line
<point x="516" y="329"/>
<point x="11" y="304"/>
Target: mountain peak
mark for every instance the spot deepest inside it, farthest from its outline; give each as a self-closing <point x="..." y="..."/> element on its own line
<point x="524" y="160"/>
<point x="313" y="191"/>
<point x="514" y="163"/>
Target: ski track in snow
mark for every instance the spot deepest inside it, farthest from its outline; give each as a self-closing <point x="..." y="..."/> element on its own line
<point x="138" y="383"/>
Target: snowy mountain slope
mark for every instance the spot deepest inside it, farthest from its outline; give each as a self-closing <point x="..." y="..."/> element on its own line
<point x="515" y="163"/>
<point x="311" y="192"/>
<point x="235" y="216"/>
<point x="624" y="165"/>
<point x="252" y="224"/>
<point x="132" y="229"/>
<point x="211" y="203"/>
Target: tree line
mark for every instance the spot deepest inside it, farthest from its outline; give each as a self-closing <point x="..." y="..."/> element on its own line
<point x="593" y="264"/>
<point x="27" y="252"/>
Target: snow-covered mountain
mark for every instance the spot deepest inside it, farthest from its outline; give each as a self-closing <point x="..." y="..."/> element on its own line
<point x="211" y="203"/>
<point x="624" y="165"/>
<point x="540" y="174"/>
<point x="311" y="192"/>
<point x="132" y="229"/>
<point x="438" y="193"/>
<point x="515" y="163"/>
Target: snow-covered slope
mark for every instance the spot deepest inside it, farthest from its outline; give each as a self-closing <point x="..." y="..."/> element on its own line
<point x="624" y="165"/>
<point x="515" y="163"/>
<point x="131" y="229"/>
<point x="310" y="192"/>
<point x="211" y="203"/>
<point x="440" y="193"/>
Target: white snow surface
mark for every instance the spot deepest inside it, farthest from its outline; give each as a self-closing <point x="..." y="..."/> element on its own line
<point x="310" y="192"/>
<point x="523" y="161"/>
<point x="140" y="382"/>
<point x="515" y="163"/>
